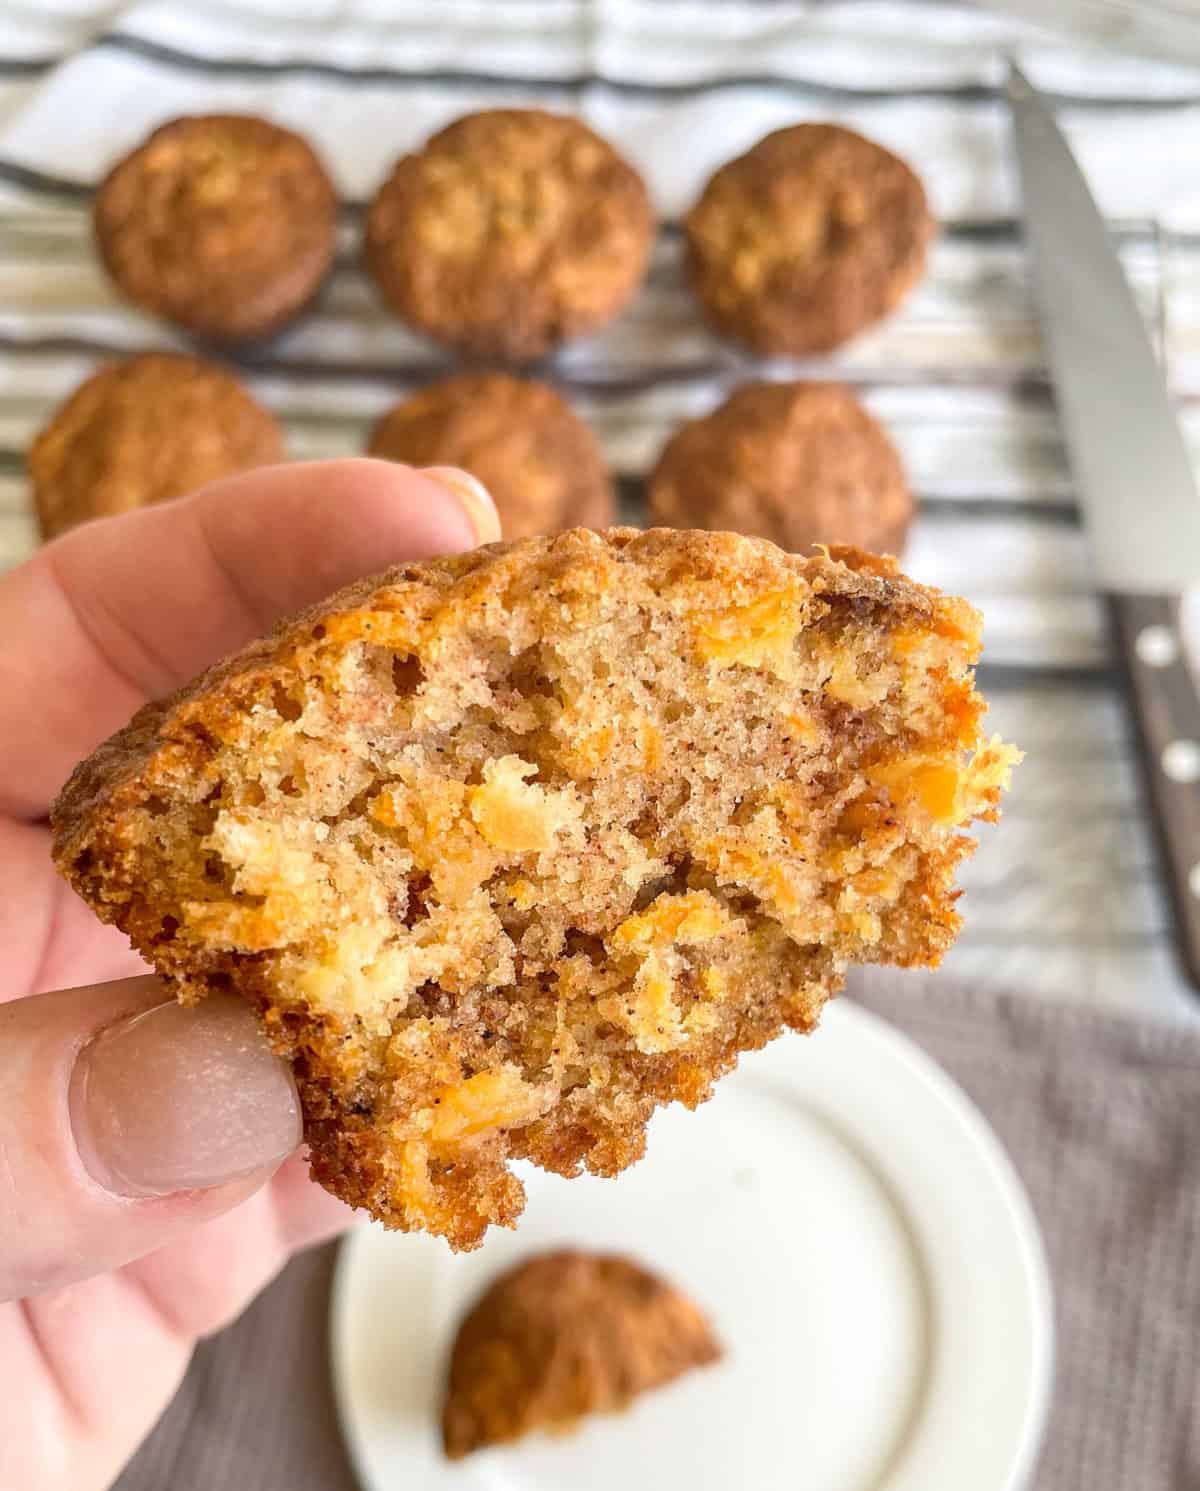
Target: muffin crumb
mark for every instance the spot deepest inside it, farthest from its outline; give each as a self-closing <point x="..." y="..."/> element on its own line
<point x="511" y="848"/>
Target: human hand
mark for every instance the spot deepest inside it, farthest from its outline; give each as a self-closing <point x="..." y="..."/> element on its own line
<point x="149" y="1179"/>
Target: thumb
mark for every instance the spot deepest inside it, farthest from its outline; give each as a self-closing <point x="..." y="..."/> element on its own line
<point x="125" y="1120"/>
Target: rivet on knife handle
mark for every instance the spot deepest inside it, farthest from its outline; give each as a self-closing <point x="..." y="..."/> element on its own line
<point x="1166" y="708"/>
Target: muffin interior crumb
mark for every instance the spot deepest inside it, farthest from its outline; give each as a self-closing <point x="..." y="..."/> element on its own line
<point x="510" y="855"/>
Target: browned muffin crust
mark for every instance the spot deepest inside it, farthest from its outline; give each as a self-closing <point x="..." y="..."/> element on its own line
<point x="222" y="223"/>
<point x="798" y="463"/>
<point x="806" y="239"/>
<point x="142" y="431"/>
<point x="510" y="232"/>
<point x="509" y="849"/>
<point x="541" y="463"/>
<point x="561" y="1336"/>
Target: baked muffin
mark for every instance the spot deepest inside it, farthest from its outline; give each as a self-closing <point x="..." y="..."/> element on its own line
<point x="806" y="239"/>
<point x="511" y="848"/>
<point x="561" y="1336"/>
<point x="541" y="463"/>
<point x="222" y="223"/>
<point x="141" y="431"/>
<point x="510" y="232"/>
<point x="798" y="463"/>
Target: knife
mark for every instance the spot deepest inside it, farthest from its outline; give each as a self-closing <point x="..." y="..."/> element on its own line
<point x="1132" y="477"/>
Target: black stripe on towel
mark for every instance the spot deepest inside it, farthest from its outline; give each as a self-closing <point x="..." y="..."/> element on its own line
<point x="479" y="82"/>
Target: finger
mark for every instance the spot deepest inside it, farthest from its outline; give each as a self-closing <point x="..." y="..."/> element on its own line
<point x="125" y="1121"/>
<point x="59" y="1345"/>
<point x="96" y="1365"/>
<point x="51" y="939"/>
<point x="125" y="609"/>
<point x="206" y="1279"/>
<point x="305" y="1212"/>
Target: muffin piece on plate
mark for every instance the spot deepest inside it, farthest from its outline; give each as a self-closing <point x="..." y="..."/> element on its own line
<point x="561" y="1336"/>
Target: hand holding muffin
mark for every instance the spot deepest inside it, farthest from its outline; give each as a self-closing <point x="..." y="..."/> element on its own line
<point x="125" y="1175"/>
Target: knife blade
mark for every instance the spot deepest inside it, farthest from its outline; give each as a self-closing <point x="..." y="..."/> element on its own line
<point x="1132" y="476"/>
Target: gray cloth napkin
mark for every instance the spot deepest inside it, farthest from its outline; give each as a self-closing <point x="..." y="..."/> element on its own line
<point x="1099" y="1114"/>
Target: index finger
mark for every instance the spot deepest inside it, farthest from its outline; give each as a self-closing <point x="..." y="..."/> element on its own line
<point x="126" y="609"/>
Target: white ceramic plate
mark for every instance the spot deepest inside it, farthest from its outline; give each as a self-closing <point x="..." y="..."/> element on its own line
<point x="864" y="1249"/>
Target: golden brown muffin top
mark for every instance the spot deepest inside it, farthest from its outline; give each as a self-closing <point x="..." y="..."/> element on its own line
<point x="510" y="232"/>
<point x="798" y="463"/>
<point x="806" y="239"/>
<point x="541" y="463"/>
<point x="222" y="223"/>
<point x="153" y="427"/>
<point x="561" y="1336"/>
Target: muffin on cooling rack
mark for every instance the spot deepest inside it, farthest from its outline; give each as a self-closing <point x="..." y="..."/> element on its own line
<point x="808" y="238"/>
<point x="799" y="463"/>
<point x="541" y="463"/>
<point x="144" y="430"/>
<point x="224" y="224"/>
<point x="510" y="232"/>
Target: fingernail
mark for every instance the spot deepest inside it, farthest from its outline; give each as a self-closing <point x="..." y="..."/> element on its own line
<point x="475" y="498"/>
<point x="181" y="1099"/>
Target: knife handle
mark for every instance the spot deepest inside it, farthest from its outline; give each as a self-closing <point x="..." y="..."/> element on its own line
<point x="1166" y="711"/>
